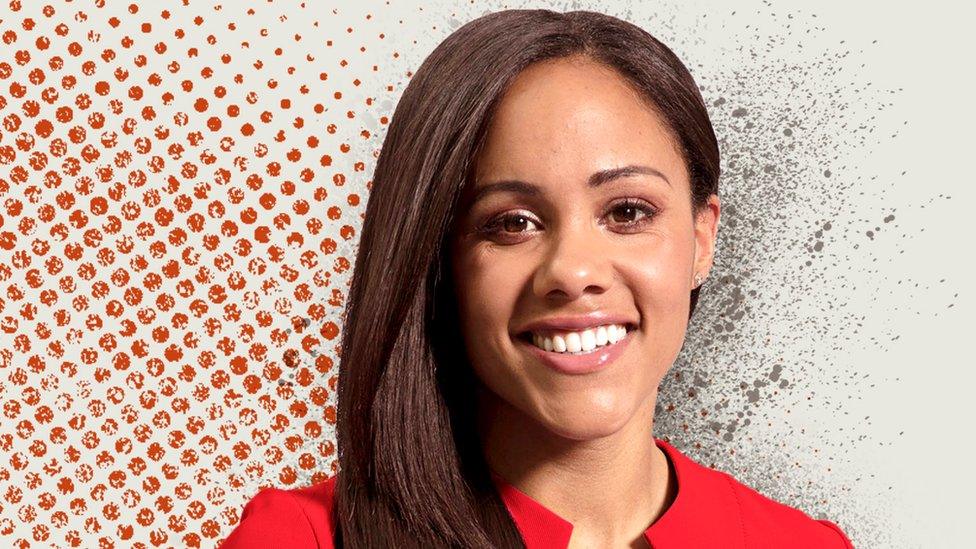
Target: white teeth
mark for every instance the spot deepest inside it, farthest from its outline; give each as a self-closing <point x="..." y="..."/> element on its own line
<point x="580" y="342"/>
<point x="573" y="343"/>
<point x="601" y="335"/>
<point x="588" y="340"/>
<point x="559" y="344"/>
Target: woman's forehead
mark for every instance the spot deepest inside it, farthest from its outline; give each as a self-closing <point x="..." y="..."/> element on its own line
<point x="569" y="118"/>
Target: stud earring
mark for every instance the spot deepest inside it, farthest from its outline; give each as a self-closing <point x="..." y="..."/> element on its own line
<point x="698" y="279"/>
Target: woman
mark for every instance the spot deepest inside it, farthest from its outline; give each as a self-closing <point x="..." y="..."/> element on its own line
<point x="550" y="180"/>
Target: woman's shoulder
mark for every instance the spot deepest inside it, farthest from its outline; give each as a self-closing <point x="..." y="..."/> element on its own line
<point x="763" y="521"/>
<point x="286" y="517"/>
<point x="771" y="521"/>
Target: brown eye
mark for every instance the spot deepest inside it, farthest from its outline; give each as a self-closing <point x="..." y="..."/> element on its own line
<point x="632" y="212"/>
<point x="507" y="225"/>
<point x="514" y="223"/>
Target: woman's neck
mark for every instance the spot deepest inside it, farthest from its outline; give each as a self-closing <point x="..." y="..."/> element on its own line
<point x="610" y="488"/>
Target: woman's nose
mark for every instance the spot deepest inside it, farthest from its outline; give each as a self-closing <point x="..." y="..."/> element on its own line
<point x="579" y="259"/>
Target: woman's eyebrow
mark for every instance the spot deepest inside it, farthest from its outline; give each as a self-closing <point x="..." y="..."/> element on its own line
<point x="595" y="180"/>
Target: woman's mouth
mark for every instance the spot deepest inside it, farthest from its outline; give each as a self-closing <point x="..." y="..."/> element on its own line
<point x="579" y="352"/>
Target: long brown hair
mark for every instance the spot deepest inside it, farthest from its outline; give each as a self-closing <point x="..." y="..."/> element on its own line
<point x="411" y="470"/>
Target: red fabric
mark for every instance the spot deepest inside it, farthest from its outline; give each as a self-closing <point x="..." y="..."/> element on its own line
<point x="711" y="509"/>
<point x="290" y="519"/>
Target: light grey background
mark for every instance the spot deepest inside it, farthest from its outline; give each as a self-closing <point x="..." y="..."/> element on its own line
<point x="829" y="365"/>
<point x="831" y="353"/>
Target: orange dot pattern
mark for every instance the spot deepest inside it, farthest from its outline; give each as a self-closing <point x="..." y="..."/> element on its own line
<point x="181" y="187"/>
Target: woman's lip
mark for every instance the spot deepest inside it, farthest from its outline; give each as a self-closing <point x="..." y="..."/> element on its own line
<point x="594" y="361"/>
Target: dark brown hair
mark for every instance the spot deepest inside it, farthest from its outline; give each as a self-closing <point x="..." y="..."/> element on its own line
<point x="411" y="470"/>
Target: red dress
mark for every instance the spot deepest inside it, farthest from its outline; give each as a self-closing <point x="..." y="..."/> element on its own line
<point x="711" y="509"/>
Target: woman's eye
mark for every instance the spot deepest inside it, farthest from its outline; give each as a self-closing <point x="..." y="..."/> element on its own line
<point x="631" y="213"/>
<point x="634" y="212"/>
<point x="507" y="224"/>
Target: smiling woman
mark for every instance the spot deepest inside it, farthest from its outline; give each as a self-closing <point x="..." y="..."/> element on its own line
<point x="543" y="214"/>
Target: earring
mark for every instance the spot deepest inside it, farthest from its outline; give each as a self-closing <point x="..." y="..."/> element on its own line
<point x="698" y="279"/>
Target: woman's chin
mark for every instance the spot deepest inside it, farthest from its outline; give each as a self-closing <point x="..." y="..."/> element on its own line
<point x="587" y="422"/>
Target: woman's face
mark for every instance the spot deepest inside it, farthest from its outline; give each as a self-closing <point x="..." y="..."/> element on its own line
<point x="556" y="245"/>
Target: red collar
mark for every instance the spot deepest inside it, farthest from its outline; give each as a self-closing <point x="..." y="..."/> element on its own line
<point x="704" y="512"/>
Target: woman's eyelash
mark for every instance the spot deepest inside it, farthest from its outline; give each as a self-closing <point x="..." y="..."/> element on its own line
<point x="492" y="227"/>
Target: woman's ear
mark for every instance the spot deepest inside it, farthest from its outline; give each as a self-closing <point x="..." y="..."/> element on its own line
<point x="706" y="229"/>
